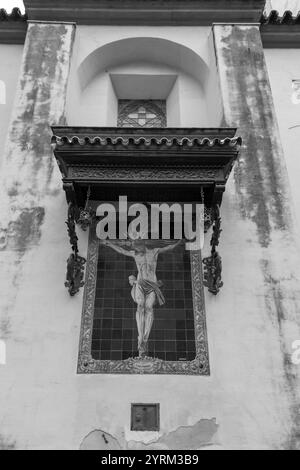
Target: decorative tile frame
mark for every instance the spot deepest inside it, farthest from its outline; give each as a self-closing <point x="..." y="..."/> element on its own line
<point x="137" y="365"/>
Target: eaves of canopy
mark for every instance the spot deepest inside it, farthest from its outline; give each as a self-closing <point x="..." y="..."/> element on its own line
<point x="163" y="164"/>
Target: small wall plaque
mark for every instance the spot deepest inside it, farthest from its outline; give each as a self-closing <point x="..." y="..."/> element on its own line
<point x="145" y="417"/>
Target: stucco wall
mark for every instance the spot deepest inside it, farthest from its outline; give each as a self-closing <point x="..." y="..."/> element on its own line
<point x="283" y="68"/>
<point x="262" y="193"/>
<point x="249" y="400"/>
<point x="10" y="61"/>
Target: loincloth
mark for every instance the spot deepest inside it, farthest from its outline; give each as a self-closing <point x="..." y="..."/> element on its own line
<point x="147" y="287"/>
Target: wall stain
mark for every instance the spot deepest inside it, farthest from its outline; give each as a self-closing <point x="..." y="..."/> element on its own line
<point x="5" y="328"/>
<point x="37" y="83"/>
<point x="27" y="172"/>
<point x="41" y="99"/>
<point x="26" y="230"/>
<point x="259" y="182"/>
<point x="260" y="176"/>
<point x="7" y="444"/>
<point x="274" y="304"/>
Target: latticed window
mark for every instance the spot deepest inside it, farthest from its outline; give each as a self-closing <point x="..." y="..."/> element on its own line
<point x="142" y="113"/>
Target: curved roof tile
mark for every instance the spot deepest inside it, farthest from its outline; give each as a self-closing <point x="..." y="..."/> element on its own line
<point x="274" y="18"/>
<point x="138" y="140"/>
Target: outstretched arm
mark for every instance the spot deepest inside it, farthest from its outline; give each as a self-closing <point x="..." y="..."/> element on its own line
<point x="170" y="247"/>
<point x="118" y="248"/>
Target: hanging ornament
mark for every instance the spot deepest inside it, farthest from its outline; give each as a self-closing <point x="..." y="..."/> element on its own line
<point x="75" y="263"/>
<point x="213" y="264"/>
<point x="87" y="214"/>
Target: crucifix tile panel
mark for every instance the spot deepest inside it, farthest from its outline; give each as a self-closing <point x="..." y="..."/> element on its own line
<point x="115" y="334"/>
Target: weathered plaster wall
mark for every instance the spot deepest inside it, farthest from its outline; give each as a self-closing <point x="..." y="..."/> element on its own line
<point x="261" y="194"/>
<point x="250" y="400"/>
<point x="10" y="61"/>
<point x="283" y="68"/>
<point x="30" y="199"/>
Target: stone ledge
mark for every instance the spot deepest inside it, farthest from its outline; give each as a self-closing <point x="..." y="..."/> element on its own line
<point x="146" y="12"/>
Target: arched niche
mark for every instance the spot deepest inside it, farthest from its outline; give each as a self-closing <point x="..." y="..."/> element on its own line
<point x="129" y="68"/>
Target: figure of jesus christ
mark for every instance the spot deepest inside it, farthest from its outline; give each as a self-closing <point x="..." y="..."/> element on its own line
<point x="145" y="291"/>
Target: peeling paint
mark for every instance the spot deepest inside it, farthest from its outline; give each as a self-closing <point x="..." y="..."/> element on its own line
<point x="201" y="434"/>
<point x="192" y="437"/>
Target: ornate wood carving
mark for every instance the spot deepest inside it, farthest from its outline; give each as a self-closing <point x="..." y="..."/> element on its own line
<point x="75" y="263"/>
<point x="141" y="173"/>
<point x="213" y="264"/>
<point x="92" y="157"/>
<point x="144" y="365"/>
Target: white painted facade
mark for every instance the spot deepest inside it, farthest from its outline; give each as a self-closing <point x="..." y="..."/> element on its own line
<point x="284" y="71"/>
<point x="44" y="404"/>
